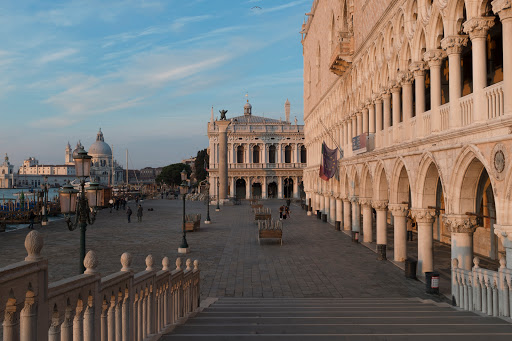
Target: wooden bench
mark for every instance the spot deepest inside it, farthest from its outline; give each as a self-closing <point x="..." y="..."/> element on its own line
<point x="192" y="222"/>
<point x="262" y="213"/>
<point x="270" y="229"/>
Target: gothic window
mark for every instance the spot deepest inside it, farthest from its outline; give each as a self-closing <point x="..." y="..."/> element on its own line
<point x="494" y="49"/>
<point x="240" y="154"/>
<point x="256" y="154"/>
<point x="303" y="154"/>
<point x="272" y="154"/>
<point x="287" y="154"/>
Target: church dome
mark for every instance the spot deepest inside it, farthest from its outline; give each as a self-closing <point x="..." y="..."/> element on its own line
<point x="100" y="148"/>
<point x="247" y="108"/>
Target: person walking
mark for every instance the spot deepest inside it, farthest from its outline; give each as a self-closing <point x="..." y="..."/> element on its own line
<point x="128" y="213"/>
<point x="287" y="211"/>
<point x="31" y="218"/>
<point x="110" y="205"/>
<point x="139" y="214"/>
<point x="281" y="211"/>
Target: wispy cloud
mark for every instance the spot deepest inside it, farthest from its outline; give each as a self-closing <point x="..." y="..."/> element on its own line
<point x="179" y="23"/>
<point x="264" y="10"/>
<point x="58" y="55"/>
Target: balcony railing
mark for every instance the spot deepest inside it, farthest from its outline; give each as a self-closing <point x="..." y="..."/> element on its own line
<point x="494" y="96"/>
<point x="466" y="110"/>
<point x="444" y="111"/>
<point x="342" y="54"/>
<point x="264" y="165"/>
<point x="427" y="123"/>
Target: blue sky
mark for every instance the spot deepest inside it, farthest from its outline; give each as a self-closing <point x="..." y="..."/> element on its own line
<point x="146" y="71"/>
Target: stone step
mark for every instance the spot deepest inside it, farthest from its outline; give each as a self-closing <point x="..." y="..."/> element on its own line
<point x="319" y="308"/>
<point x="366" y="313"/>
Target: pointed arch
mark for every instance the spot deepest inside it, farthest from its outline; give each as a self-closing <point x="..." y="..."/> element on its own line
<point x="366" y="182"/>
<point x="427" y="182"/>
<point x="400" y="183"/>
<point x="380" y="184"/>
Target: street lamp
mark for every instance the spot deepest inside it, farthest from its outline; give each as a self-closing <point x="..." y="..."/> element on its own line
<point x="45" y="201"/>
<point x="82" y="202"/>
<point x="184" y="190"/>
<point x="217" y="209"/>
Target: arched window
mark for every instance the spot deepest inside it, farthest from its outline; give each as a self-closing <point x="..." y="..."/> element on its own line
<point x="303" y="154"/>
<point x="272" y="154"/>
<point x="240" y="154"/>
<point x="288" y="154"/>
<point x="256" y="154"/>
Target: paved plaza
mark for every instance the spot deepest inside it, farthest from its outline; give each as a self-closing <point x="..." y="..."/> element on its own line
<point x="314" y="260"/>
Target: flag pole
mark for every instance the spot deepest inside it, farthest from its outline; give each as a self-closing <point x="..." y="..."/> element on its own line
<point x="332" y="138"/>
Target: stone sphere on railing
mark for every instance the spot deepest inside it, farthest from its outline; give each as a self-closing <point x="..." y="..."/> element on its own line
<point x="165" y="263"/>
<point x="34" y="244"/>
<point x="476" y="261"/>
<point x="126" y="261"/>
<point x="91" y="263"/>
<point x="178" y="263"/>
<point x="149" y="263"/>
<point x="196" y="265"/>
<point x="188" y="262"/>
<point x="455" y="263"/>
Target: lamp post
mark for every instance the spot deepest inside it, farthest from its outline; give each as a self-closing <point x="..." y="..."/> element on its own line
<point x="184" y="190"/>
<point x="217" y="209"/>
<point x="207" y="183"/>
<point x="44" y="222"/>
<point x="82" y="202"/>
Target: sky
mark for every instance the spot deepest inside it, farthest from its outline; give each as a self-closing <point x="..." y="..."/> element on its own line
<point x="147" y="72"/>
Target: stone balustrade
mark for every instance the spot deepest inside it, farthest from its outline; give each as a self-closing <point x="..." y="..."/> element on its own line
<point x="482" y="289"/>
<point x="121" y="306"/>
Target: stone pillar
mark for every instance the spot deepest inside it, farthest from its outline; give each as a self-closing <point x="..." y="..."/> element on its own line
<point x="418" y="70"/>
<point x="359" y="120"/>
<point x="504" y="10"/>
<point x="327" y="205"/>
<point x="453" y="47"/>
<point x="339" y="212"/>
<point x="296" y="188"/>
<point x="346" y="214"/>
<point x="223" y="158"/>
<point x="381" y="206"/>
<point x="248" y="188"/>
<point x="407" y="104"/>
<point x="378" y="114"/>
<point x="477" y="29"/>
<point x="366" y="204"/>
<point x="395" y="94"/>
<point x="371" y="118"/>
<point x="504" y="232"/>
<point x="356" y="218"/>
<point x="386" y="97"/>
<point x="332" y="212"/>
<point x="425" y="218"/>
<point x="232" y="188"/>
<point x="435" y="59"/>
<point x="399" y="212"/>
<point x="462" y="228"/>
<point x="279" y="187"/>
<point x="354" y="125"/>
<point x="264" y="188"/>
<point x="321" y="203"/>
<point x="365" y="121"/>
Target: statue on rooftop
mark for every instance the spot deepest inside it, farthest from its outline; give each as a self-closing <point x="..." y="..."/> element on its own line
<point x="223" y="114"/>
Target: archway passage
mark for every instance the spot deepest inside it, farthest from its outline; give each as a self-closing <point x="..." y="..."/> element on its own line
<point x="240" y="189"/>
<point x="256" y="190"/>
<point x="272" y="190"/>
<point x="288" y="188"/>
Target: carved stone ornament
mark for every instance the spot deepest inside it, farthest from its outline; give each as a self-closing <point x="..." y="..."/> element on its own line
<point x="91" y="263"/>
<point x="417" y="68"/>
<point x="502" y="7"/>
<point x="365" y="201"/>
<point x="434" y="57"/>
<point x="126" y="261"/>
<point x="165" y="263"/>
<point x="424" y="215"/>
<point x="34" y="244"/>
<point x="380" y="204"/>
<point x="478" y="27"/>
<point x="498" y="160"/>
<point x="149" y="263"/>
<point x="188" y="263"/>
<point x="454" y="44"/>
<point x="399" y="210"/>
<point x="196" y="265"/>
<point x="459" y="223"/>
<point x="178" y="263"/>
<point x="406" y="77"/>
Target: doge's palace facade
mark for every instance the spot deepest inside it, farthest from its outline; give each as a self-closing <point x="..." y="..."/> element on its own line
<point x="428" y="85"/>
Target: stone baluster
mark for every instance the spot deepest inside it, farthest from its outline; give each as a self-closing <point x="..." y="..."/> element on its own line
<point x="198" y="292"/>
<point x="78" y="323"/>
<point x="150" y="318"/>
<point x="455" y="284"/>
<point x="54" y="331"/>
<point x="104" y="321"/>
<point x="119" y="318"/>
<point x="111" y="318"/>
<point x="145" y="315"/>
<point x="381" y="206"/>
<point x="346" y="214"/>
<point x="504" y="9"/>
<point x="425" y="218"/>
<point x="465" y="288"/>
<point x="126" y="262"/>
<point x="89" y="323"/>
<point x="488" y="288"/>
<point x="11" y="324"/>
<point x="140" y="316"/>
<point x="366" y="204"/>
<point x="477" y="29"/>
<point x="507" y="297"/>
<point x="400" y="212"/>
<point x="495" y="299"/>
<point x="28" y="318"/>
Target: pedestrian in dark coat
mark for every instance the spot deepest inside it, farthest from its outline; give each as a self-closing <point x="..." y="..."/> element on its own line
<point x="139" y="214"/>
<point x="128" y="213"/>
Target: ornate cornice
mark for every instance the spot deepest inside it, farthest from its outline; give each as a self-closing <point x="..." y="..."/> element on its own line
<point x="380" y="204"/>
<point x="454" y="44"/>
<point x="478" y="27"/>
<point x="459" y="223"/>
<point x="424" y="215"/>
<point x="399" y="210"/>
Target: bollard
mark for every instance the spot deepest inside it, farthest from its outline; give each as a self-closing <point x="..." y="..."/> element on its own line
<point x="381" y="252"/>
<point x="410" y="268"/>
<point x="324" y="217"/>
<point x="355" y="237"/>
<point x="432" y="283"/>
<point x="318" y="214"/>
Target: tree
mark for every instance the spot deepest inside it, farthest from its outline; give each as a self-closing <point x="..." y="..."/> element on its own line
<point x="201" y="163"/>
<point x="171" y="175"/>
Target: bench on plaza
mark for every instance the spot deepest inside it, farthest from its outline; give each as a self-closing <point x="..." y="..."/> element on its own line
<point x="262" y="213"/>
<point x="270" y="229"/>
<point x="192" y="222"/>
<point x="255" y="206"/>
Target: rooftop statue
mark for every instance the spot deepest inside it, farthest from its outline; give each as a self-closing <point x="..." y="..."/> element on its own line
<point x="223" y="114"/>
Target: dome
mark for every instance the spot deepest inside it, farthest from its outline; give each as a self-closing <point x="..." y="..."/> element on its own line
<point x="100" y="148"/>
<point x="247" y="105"/>
<point x="247" y="108"/>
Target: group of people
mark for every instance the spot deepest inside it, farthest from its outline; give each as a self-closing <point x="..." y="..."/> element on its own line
<point x="117" y="203"/>
<point x="139" y="213"/>
<point x="284" y="210"/>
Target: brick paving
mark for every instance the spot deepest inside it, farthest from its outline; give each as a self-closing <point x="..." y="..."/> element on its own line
<point x="314" y="260"/>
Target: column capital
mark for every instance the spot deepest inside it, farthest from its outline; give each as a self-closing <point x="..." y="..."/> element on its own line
<point x="354" y="199"/>
<point x="423" y="215"/>
<point x="380" y="205"/>
<point x="417" y="68"/>
<point x="395" y="87"/>
<point x="460" y="223"/>
<point x="399" y="210"/>
<point x="359" y="113"/>
<point x="434" y="58"/>
<point x="504" y="232"/>
<point x="477" y="27"/>
<point x="503" y="8"/>
<point x="365" y="201"/>
<point x="454" y="44"/>
<point x="345" y="199"/>
<point x="405" y="78"/>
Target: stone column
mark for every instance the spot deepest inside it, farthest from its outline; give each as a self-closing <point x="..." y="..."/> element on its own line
<point x="395" y="94"/>
<point x="381" y="206"/>
<point x="232" y="188"/>
<point x="418" y="70"/>
<point x="386" y="97"/>
<point x="425" y="218"/>
<point x="248" y="188"/>
<point x="332" y="212"/>
<point x="365" y="120"/>
<point x="378" y="114"/>
<point x="371" y="118"/>
<point x="462" y="228"/>
<point x="321" y="202"/>
<point x="504" y="232"/>
<point x="327" y="205"/>
<point x="346" y="214"/>
<point x="279" y="187"/>
<point x="354" y="125"/>
<point x="264" y="188"/>
<point x="366" y="204"/>
<point x="407" y="104"/>
<point x="223" y="158"/>
<point x="356" y="216"/>
<point x="453" y="47"/>
<point x="477" y="29"/>
<point x="359" y="120"/>
<point x="399" y="212"/>
<point x="296" y="188"/>
<point x="339" y="213"/>
<point x="504" y="10"/>
<point x="434" y="58"/>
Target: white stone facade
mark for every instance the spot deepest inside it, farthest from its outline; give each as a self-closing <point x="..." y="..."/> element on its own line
<point x="266" y="157"/>
<point x="6" y="173"/>
<point x="430" y="84"/>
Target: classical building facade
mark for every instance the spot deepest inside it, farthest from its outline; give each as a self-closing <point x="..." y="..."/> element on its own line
<point x="265" y="156"/>
<point x="428" y="86"/>
<point x="104" y="168"/>
<point x="6" y="173"/>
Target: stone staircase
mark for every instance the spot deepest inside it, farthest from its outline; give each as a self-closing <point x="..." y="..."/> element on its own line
<point x="337" y="319"/>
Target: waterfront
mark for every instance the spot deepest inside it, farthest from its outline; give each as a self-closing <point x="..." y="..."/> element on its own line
<point x="9" y="193"/>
